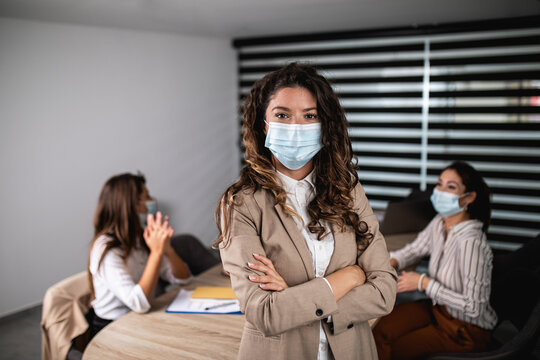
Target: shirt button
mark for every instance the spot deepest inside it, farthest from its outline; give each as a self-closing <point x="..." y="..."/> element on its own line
<point x="323" y="347"/>
<point x="319" y="312"/>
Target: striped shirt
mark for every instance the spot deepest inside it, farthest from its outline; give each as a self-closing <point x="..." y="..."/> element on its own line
<point x="460" y="267"/>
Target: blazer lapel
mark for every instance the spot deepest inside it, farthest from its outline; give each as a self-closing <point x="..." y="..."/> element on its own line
<point x="342" y="242"/>
<point x="297" y="239"/>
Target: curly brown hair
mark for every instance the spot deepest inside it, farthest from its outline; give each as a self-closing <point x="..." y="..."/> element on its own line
<point x="335" y="175"/>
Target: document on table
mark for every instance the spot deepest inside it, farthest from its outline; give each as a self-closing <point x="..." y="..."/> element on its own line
<point x="184" y="303"/>
<point x="213" y="292"/>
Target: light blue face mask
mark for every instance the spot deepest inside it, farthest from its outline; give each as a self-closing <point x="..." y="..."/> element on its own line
<point x="445" y="203"/>
<point x="293" y="144"/>
<point x="151" y="208"/>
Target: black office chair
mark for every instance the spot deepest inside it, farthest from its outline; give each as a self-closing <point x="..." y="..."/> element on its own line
<point x="515" y="297"/>
<point x="198" y="257"/>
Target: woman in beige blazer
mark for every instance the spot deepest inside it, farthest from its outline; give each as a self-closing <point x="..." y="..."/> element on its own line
<point x="297" y="235"/>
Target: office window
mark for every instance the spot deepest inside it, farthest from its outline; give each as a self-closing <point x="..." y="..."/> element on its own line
<point x="417" y="99"/>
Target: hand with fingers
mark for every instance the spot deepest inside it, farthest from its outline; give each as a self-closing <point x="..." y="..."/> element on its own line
<point x="158" y="233"/>
<point x="271" y="280"/>
<point x="409" y="281"/>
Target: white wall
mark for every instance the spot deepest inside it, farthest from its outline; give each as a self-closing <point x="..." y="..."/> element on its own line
<point x="79" y="104"/>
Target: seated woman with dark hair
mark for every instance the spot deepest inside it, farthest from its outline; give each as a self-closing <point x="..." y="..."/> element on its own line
<point x="458" y="316"/>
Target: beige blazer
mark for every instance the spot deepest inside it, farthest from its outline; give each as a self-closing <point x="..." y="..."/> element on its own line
<point x="285" y="324"/>
<point x="63" y="318"/>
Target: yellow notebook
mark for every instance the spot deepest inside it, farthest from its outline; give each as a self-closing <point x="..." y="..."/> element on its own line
<point x="213" y="292"/>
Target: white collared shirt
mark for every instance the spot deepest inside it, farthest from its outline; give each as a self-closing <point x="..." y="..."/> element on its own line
<point x="299" y="195"/>
<point x="116" y="283"/>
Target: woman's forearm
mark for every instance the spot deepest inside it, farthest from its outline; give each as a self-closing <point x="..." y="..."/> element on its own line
<point x="346" y="279"/>
<point x="150" y="274"/>
<point x="179" y="268"/>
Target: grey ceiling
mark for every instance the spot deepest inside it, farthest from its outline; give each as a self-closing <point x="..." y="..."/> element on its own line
<point x="245" y="18"/>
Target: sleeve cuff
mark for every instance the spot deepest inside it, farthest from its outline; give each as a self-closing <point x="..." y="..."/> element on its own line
<point x="399" y="259"/>
<point x="299" y="307"/>
<point x="140" y="303"/>
<point x="432" y="289"/>
<point x="181" y="281"/>
<point x="328" y="283"/>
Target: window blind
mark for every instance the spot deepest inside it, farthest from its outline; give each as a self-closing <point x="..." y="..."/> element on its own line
<point x="417" y="99"/>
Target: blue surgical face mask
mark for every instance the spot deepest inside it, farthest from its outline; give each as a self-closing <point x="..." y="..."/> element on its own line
<point x="293" y="144"/>
<point x="445" y="203"/>
<point x="151" y="208"/>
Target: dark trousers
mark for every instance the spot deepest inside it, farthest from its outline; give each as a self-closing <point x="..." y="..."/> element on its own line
<point x="415" y="330"/>
<point x="96" y="323"/>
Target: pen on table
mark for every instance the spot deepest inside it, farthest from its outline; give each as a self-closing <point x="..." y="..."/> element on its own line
<point x="219" y="305"/>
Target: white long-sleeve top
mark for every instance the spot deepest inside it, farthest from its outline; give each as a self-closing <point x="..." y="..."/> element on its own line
<point x="116" y="282"/>
<point x="460" y="268"/>
<point x="299" y="195"/>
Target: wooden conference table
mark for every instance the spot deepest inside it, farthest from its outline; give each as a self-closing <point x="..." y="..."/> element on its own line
<point x="160" y="335"/>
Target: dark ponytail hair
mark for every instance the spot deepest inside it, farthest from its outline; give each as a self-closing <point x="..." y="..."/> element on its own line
<point x="480" y="209"/>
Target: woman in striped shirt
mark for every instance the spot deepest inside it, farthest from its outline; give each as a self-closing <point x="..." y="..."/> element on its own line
<point x="457" y="317"/>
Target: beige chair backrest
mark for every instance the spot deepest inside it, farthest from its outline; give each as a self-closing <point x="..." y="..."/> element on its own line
<point x="63" y="319"/>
